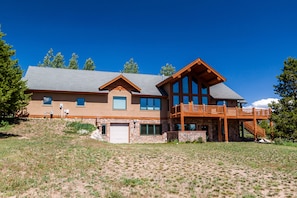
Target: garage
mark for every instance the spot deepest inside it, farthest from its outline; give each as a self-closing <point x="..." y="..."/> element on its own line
<point x="119" y="133"/>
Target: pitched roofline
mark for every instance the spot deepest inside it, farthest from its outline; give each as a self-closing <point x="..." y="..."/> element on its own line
<point x="188" y="67"/>
<point x="118" y="78"/>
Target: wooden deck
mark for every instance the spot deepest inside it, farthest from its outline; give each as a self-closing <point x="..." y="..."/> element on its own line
<point x="215" y="111"/>
<point x="222" y="113"/>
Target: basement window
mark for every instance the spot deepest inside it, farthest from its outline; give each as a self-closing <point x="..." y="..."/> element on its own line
<point x="150" y="129"/>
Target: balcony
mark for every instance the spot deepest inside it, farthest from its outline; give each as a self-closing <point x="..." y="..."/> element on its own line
<point x="215" y="111"/>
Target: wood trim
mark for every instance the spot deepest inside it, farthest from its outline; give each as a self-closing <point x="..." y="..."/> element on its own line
<point x="188" y="68"/>
<point x="118" y="78"/>
<point x="99" y="117"/>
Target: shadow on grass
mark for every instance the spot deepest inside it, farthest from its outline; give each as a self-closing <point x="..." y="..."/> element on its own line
<point x="4" y="135"/>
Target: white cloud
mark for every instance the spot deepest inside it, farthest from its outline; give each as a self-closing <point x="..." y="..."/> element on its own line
<point x="263" y="103"/>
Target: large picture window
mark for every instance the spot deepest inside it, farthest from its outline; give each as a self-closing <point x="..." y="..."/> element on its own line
<point x="47" y="100"/>
<point x="150" y="103"/>
<point x="119" y="103"/>
<point x="150" y="129"/>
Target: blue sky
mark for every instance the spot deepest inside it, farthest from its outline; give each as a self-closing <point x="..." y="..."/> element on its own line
<point x="245" y="41"/>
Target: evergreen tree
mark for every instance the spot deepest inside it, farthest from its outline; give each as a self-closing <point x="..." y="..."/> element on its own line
<point x="12" y="87"/>
<point x="167" y="70"/>
<point x="58" y="61"/>
<point x="89" y="65"/>
<point x="73" y="62"/>
<point x="284" y="113"/>
<point x="130" y="67"/>
<point x="48" y="59"/>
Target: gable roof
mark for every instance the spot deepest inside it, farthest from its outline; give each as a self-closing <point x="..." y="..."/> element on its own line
<point x="84" y="81"/>
<point x="201" y="69"/>
<point x="118" y="78"/>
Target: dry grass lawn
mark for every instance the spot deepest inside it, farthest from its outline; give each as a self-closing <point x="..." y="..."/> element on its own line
<point x="40" y="160"/>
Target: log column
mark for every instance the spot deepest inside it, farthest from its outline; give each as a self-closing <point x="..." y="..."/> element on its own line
<point x="226" y="124"/>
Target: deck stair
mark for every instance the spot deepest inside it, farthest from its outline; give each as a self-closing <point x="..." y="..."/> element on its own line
<point x="249" y="126"/>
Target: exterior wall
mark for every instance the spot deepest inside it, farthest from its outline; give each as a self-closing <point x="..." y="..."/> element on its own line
<point x="96" y="105"/>
<point x="134" y="130"/>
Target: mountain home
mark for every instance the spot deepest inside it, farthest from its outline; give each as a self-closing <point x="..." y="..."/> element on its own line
<point x="138" y="108"/>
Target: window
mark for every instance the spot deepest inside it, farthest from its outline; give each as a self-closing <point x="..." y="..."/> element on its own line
<point x="150" y="129"/>
<point x="176" y="87"/>
<point x="150" y="103"/>
<point x="175" y="100"/>
<point x="47" y="100"/>
<point x="194" y="86"/>
<point x="204" y="89"/>
<point x="119" y="103"/>
<point x="185" y="84"/>
<point x="103" y="132"/>
<point x="222" y="102"/>
<point x="205" y="100"/>
<point x="80" y="102"/>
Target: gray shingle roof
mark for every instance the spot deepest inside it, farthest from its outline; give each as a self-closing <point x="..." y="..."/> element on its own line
<point x="222" y="91"/>
<point x="44" y="78"/>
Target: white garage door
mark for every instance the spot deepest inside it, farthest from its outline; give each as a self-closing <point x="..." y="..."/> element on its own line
<point x="119" y="133"/>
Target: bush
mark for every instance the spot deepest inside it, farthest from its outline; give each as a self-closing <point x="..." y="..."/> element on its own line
<point x="79" y="127"/>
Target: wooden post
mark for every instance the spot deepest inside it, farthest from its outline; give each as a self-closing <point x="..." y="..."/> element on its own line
<point x="255" y="123"/>
<point x="182" y="121"/>
<point x="271" y="129"/>
<point x="220" y="138"/>
<point x="226" y="124"/>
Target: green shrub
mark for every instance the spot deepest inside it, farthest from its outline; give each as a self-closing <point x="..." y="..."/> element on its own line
<point x="79" y="127"/>
<point x="4" y="125"/>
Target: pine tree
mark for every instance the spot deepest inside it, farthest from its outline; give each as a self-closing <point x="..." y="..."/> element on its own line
<point x="73" y="62"/>
<point x="167" y="70"/>
<point x="12" y="87"/>
<point x="48" y="59"/>
<point x="89" y="65"/>
<point x="58" y="61"/>
<point x="284" y="113"/>
<point x="130" y="67"/>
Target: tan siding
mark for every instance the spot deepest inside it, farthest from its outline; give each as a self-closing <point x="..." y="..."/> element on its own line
<point x="95" y="105"/>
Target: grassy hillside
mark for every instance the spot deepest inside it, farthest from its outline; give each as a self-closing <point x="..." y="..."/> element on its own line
<point x="37" y="159"/>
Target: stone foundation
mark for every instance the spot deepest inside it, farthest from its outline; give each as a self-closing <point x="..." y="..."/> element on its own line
<point x="191" y="136"/>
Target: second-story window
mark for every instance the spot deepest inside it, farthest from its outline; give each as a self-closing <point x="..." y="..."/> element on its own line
<point x="119" y="103"/>
<point x="150" y="103"/>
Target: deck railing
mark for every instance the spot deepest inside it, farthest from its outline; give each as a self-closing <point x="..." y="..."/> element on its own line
<point x="219" y="111"/>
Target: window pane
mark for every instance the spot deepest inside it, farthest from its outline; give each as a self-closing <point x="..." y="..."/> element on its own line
<point x="47" y="100"/>
<point x="150" y="129"/>
<point x="176" y="87"/>
<point x="192" y="127"/>
<point x="150" y="103"/>
<point x="157" y="103"/>
<point x="103" y="130"/>
<point x="175" y="100"/>
<point x="204" y="100"/>
<point x="185" y="85"/>
<point x="194" y="87"/>
<point x="195" y="99"/>
<point x="222" y="102"/>
<point x="186" y="99"/>
<point x="143" y="129"/>
<point x="119" y="102"/>
<point x="80" y="102"/>
<point x="158" y="130"/>
<point x="204" y="90"/>
<point x="143" y="103"/>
